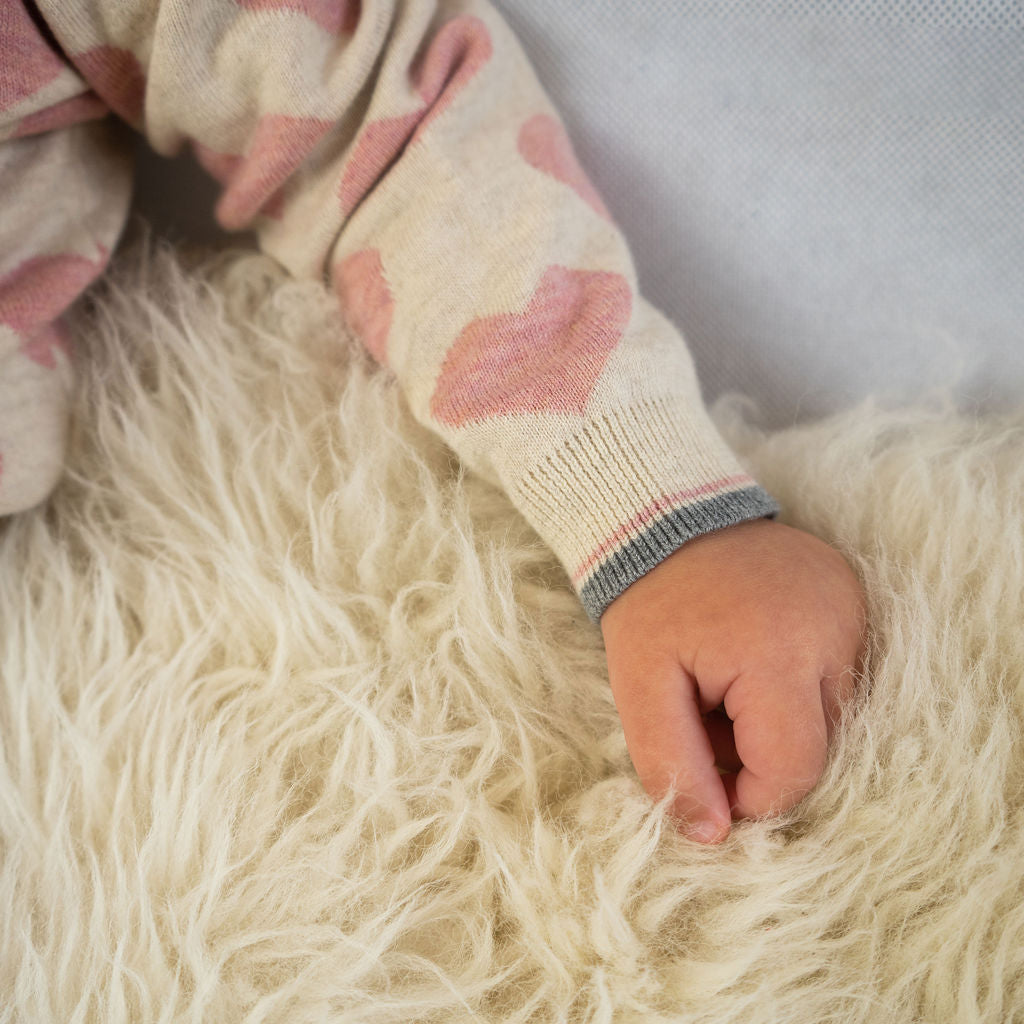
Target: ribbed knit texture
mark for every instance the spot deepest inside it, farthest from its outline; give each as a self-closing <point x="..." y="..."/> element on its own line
<point x="603" y="473"/>
<point x="405" y="153"/>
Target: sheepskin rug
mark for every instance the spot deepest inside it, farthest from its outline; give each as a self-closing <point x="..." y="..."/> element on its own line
<point x="302" y="723"/>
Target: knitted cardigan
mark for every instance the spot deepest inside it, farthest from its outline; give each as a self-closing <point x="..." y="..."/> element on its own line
<point x="404" y="152"/>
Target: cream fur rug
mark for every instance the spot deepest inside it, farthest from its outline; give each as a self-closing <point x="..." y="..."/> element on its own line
<point x="300" y="724"/>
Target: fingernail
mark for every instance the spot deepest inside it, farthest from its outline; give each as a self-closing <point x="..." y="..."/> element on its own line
<point x="708" y="832"/>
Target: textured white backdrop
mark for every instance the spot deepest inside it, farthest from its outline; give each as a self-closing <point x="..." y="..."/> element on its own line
<point x="827" y="196"/>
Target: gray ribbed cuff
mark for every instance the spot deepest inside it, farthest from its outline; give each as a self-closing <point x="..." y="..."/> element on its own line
<point x="657" y="541"/>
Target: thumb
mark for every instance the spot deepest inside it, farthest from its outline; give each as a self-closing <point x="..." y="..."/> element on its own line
<point x="659" y="706"/>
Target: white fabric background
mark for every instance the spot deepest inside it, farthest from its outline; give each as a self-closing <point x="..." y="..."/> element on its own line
<point x="828" y="197"/>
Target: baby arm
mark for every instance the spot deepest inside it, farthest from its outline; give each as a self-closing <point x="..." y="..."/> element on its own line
<point x="404" y="151"/>
<point x="736" y="652"/>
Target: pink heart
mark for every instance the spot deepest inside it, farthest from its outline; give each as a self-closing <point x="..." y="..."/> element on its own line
<point x="330" y="15"/>
<point x="457" y="52"/>
<point x="254" y="183"/>
<point x="545" y="359"/>
<point x="544" y="144"/>
<point x="366" y="299"/>
<point x="455" y="56"/>
<point x="117" y="77"/>
<point x="40" y="288"/>
<point x="29" y="63"/>
<point x="87" y="107"/>
<point x="374" y="151"/>
<point x="41" y="346"/>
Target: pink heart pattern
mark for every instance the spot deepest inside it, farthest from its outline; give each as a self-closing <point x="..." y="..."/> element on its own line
<point x="333" y="16"/>
<point x="455" y="55"/>
<point x="41" y="346"/>
<point x="254" y="182"/>
<point x="29" y="63"/>
<point x="378" y="144"/>
<point x="38" y="290"/>
<point x="117" y="77"/>
<point x="87" y="107"/>
<point x="366" y="299"/>
<point x="544" y="144"/>
<point x="547" y="358"/>
<point x="461" y="47"/>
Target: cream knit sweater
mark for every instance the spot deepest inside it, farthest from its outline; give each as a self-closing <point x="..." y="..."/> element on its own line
<point x="404" y="152"/>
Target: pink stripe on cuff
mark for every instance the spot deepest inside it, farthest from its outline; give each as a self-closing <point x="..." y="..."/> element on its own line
<point x="657" y="508"/>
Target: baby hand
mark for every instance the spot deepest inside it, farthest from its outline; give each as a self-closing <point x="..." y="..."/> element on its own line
<point x="736" y="652"/>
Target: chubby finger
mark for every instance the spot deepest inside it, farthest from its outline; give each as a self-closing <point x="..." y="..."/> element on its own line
<point x="658" y="704"/>
<point x="781" y="736"/>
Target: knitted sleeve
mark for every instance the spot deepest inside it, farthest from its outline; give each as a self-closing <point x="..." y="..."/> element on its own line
<point x="404" y="151"/>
